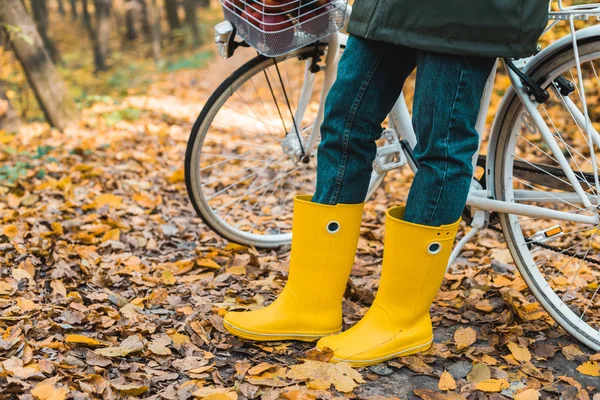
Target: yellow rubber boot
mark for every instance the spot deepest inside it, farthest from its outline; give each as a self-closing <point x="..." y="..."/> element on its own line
<point x="324" y="241"/>
<point x="398" y="323"/>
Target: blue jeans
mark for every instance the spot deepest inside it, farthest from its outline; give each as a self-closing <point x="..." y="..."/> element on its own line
<point x="445" y="108"/>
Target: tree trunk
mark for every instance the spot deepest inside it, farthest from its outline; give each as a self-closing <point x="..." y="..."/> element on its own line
<point x="131" y="15"/>
<point x="102" y="32"/>
<point x="61" y="7"/>
<point x="47" y="85"/>
<point x="40" y="15"/>
<point x="191" y="20"/>
<point x="172" y="15"/>
<point x="145" y="17"/>
<point x="154" y="16"/>
<point x="74" y="13"/>
<point x="9" y="120"/>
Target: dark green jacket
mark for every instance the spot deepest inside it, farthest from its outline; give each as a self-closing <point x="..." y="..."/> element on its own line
<point x="498" y="28"/>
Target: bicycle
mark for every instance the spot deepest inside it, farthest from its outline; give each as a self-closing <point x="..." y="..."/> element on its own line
<point x="247" y="158"/>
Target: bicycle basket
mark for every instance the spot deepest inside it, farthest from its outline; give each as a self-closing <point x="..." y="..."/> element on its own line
<point x="276" y="27"/>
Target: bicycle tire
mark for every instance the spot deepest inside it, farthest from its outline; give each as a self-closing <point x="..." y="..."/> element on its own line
<point x="502" y="135"/>
<point x="194" y="148"/>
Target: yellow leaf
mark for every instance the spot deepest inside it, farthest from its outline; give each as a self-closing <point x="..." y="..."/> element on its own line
<point x="446" y="382"/>
<point x="19" y="273"/>
<point x="207" y="263"/>
<point x="464" y="337"/>
<point x="237" y="270"/>
<point x="26" y="305"/>
<point x="492" y="385"/>
<point x="113" y="234"/>
<point x="84" y="340"/>
<point x="179" y="339"/>
<point x="529" y="394"/>
<point x="58" y="287"/>
<point x="10" y="231"/>
<point x="590" y="368"/>
<point x="177" y="176"/>
<point x="46" y="390"/>
<point x="485" y="306"/>
<point x="571" y="351"/>
<point x="57" y="228"/>
<point x="215" y="393"/>
<point x="520" y="353"/>
<point x="489" y="360"/>
<point x="168" y="278"/>
<point x="131" y="389"/>
<point x="109" y="199"/>
<point x="260" y="368"/>
<point x="321" y="375"/>
<point x="221" y="396"/>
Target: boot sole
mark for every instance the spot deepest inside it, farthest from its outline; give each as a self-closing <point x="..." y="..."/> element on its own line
<point x="274" y="337"/>
<point x="366" y="363"/>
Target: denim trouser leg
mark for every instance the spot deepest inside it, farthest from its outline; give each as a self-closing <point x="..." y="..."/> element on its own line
<point x="447" y="96"/>
<point x="370" y="78"/>
<point x="447" y="100"/>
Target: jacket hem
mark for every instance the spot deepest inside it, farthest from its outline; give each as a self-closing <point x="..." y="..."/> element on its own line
<point x="442" y="45"/>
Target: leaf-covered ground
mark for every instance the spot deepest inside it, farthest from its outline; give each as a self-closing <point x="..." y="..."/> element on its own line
<point x="111" y="287"/>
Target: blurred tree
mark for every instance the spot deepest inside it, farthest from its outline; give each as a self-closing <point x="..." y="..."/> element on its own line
<point x="61" y="7"/>
<point x="191" y="20"/>
<point x="9" y="120"/>
<point x="39" y="9"/>
<point x="132" y="14"/>
<point x="74" y="13"/>
<point x="100" y="33"/>
<point x="171" y="8"/>
<point x="145" y="17"/>
<point x="154" y="17"/>
<point x="29" y="48"/>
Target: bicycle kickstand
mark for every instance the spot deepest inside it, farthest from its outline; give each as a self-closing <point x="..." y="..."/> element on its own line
<point x="480" y="221"/>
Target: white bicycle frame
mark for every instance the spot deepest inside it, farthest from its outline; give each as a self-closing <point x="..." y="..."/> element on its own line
<point x="400" y="122"/>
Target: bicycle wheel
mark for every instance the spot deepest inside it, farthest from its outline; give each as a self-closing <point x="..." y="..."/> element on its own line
<point x="242" y="162"/>
<point x="558" y="260"/>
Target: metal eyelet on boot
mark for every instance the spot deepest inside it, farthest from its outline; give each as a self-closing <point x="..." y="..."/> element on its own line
<point x="434" y="248"/>
<point x="333" y="227"/>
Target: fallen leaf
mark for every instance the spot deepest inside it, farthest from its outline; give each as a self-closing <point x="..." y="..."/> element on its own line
<point x="464" y="337"/>
<point x="446" y="382"/>
<point x="492" y="385"/>
<point x="479" y="373"/>
<point x="320" y="375"/>
<point x="10" y="231"/>
<point x="46" y="390"/>
<point x="590" y="368"/>
<point x="84" y="340"/>
<point x="520" y="353"/>
<point x="108" y="199"/>
<point x="529" y="394"/>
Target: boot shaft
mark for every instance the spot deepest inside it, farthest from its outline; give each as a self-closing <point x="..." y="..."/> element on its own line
<point x="414" y="264"/>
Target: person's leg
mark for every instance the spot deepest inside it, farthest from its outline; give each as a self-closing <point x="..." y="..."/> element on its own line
<point x="447" y="97"/>
<point x="415" y="256"/>
<point x="325" y="233"/>
<point x="370" y="79"/>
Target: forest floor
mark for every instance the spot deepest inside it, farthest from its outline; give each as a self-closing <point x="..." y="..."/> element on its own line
<point x="112" y="287"/>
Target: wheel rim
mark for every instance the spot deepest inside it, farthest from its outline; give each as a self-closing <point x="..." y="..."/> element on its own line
<point x="566" y="285"/>
<point x="245" y="176"/>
